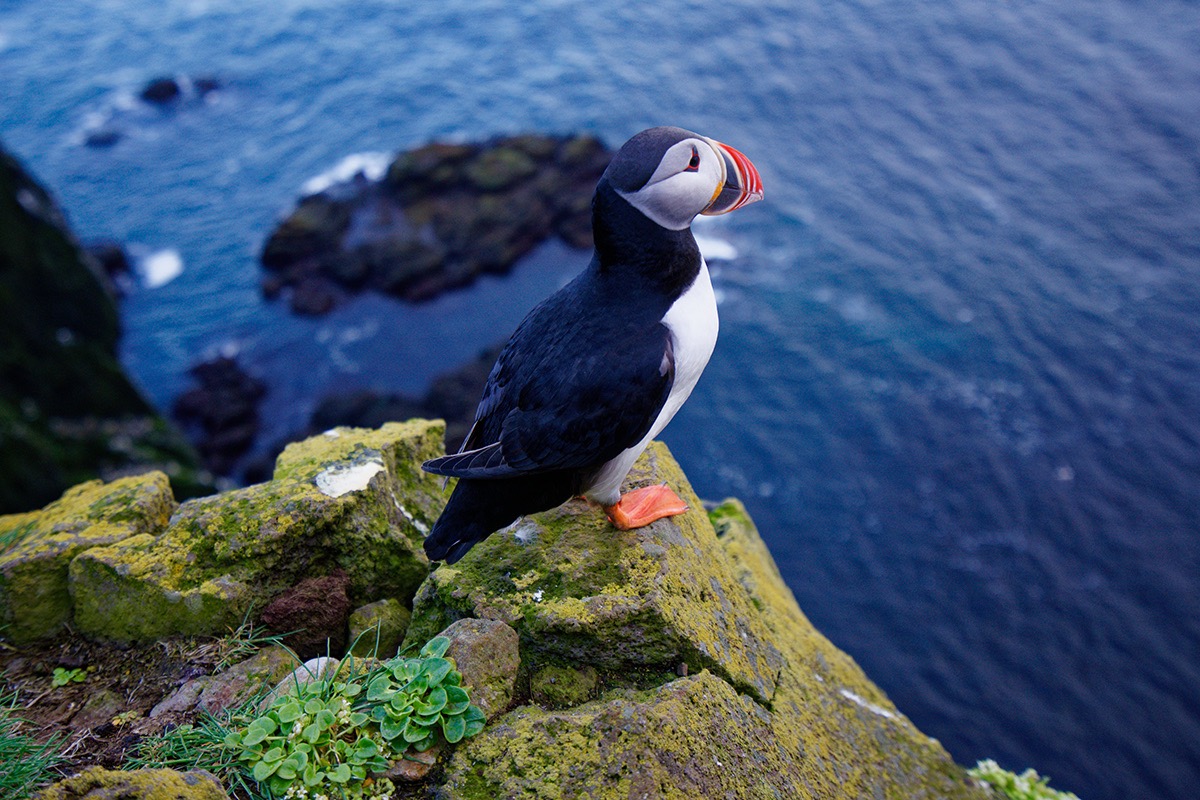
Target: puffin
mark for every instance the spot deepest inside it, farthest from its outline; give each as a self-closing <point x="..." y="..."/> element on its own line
<point x="595" y="372"/>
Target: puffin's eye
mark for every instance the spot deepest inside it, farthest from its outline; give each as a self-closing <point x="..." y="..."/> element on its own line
<point x="694" y="163"/>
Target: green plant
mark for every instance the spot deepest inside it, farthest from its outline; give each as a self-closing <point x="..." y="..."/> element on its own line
<point x="25" y="763"/>
<point x="1026" y="786"/>
<point x="331" y="734"/>
<point x="62" y="677"/>
<point x="415" y="699"/>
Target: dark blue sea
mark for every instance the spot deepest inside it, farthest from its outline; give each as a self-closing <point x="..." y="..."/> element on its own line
<point x="958" y="380"/>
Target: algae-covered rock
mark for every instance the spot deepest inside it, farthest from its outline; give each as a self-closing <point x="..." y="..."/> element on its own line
<point x="377" y="629"/>
<point x="349" y="499"/>
<point x="34" y="598"/>
<point x="770" y="709"/>
<point x="97" y="783"/>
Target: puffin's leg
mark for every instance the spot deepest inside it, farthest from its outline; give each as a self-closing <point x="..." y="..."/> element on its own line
<point x="640" y="507"/>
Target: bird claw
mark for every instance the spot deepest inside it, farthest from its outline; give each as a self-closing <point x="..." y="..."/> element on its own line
<point x="640" y="507"/>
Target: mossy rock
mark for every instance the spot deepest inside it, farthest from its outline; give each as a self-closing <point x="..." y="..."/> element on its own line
<point x="348" y="499"/>
<point x="36" y="548"/>
<point x="581" y="592"/>
<point x="96" y="783"/>
<point x="766" y="707"/>
<point x="377" y="629"/>
<point x="562" y="687"/>
<point x="695" y="737"/>
<point x="500" y="168"/>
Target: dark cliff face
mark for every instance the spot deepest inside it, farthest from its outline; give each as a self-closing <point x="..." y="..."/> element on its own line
<point x="68" y="412"/>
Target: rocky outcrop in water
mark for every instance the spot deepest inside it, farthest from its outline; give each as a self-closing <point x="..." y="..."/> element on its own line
<point x="220" y="414"/>
<point x="68" y="412"/>
<point x="667" y="662"/>
<point x="443" y="215"/>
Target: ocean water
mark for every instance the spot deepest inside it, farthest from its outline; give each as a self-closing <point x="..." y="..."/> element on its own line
<point x="958" y="380"/>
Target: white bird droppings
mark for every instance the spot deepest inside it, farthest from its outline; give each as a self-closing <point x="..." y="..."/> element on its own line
<point x="874" y="709"/>
<point x="342" y="478"/>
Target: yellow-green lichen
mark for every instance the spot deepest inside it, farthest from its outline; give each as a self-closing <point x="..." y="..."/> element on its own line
<point x="775" y="711"/>
<point x="144" y="784"/>
<point x="34" y="598"/>
<point x="579" y="590"/>
<point x="221" y="556"/>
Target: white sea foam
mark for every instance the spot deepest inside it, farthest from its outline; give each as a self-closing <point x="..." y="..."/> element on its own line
<point x="160" y="268"/>
<point x="372" y="165"/>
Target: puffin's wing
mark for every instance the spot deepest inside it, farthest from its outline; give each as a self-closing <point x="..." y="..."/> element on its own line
<point x="576" y="415"/>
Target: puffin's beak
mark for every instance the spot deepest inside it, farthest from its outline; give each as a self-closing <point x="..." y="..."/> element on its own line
<point x="742" y="184"/>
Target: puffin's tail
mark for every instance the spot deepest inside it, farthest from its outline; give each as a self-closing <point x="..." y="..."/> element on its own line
<point x="478" y="508"/>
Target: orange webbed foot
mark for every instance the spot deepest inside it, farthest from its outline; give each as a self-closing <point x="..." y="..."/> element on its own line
<point x="640" y="507"/>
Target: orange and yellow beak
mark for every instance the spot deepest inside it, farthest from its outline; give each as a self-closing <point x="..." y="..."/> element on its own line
<point x="742" y="185"/>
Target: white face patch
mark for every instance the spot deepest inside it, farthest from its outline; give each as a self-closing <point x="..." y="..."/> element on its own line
<point x="680" y="187"/>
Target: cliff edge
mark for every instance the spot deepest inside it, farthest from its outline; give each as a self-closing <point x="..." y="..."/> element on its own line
<point x="667" y="662"/>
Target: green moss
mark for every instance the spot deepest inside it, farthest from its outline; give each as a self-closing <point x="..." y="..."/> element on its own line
<point x="563" y="687"/>
<point x="771" y="708"/>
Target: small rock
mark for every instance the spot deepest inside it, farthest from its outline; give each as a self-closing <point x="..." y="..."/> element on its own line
<point x="378" y="628"/>
<point x="414" y="766"/>
<point x="487" y="654"/>
<point x="182" y="700"/>
<point x="313" y="613"/>
<point x="245" y="679"/>
<point x="97" y="783"/>
<point x="562" y="687"/>
<point x="101" y="706"/>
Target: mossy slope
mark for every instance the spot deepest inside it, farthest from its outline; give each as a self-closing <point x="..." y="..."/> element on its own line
<point x="771" y="709"/>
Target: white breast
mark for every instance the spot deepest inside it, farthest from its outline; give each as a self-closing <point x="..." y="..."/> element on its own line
<point x="692" y="321"/>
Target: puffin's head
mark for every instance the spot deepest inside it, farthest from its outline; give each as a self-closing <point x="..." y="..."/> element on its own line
<point x="671" y="175"/>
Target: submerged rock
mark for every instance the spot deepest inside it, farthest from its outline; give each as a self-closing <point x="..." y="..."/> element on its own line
<point x="443" y="215"/>
<point x="220" y="415"/>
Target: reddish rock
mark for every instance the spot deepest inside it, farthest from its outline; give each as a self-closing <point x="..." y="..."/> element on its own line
<point x="314" y="614"/>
